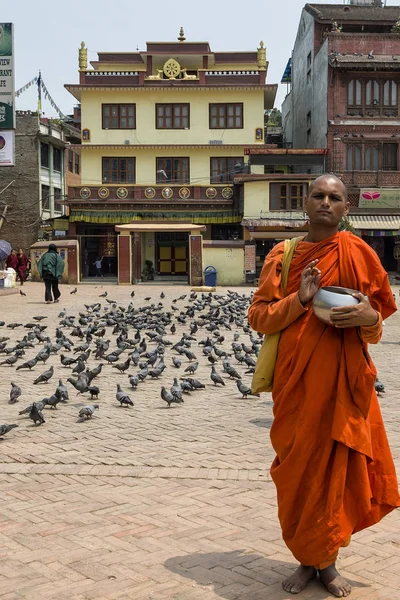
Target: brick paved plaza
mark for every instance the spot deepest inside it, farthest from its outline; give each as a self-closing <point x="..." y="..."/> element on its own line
<point x="156" y="503"/>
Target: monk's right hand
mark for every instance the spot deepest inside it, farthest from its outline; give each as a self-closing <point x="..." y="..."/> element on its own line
<point x="309" y="282"/>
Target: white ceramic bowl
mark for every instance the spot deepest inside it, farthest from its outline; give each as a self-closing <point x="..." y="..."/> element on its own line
<point x="330" y="297"/>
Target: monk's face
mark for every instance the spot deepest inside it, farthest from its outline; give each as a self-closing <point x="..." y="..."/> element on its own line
<point x="326" y="202"/>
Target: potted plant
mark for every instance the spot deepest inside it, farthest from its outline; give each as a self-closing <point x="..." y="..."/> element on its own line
<point x="148" y="271"/>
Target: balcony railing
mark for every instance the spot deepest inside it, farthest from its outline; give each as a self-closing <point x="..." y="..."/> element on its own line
<point x="371" y="178"/>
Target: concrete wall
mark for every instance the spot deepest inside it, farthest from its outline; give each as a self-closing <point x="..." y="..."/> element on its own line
<point x="229" y="262"/>
<point x="22" y="197"/>
<point x="309" y="96"/>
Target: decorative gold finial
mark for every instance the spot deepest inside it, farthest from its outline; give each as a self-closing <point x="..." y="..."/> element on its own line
<point x="82" y="57"/>
<point x="262" y="56"/>
<point x="181" y="36"/>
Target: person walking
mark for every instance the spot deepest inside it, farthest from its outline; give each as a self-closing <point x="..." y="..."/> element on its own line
<point x="51" y="268"/>
<point x="333" y="469"/>
<point x="12" y="261"/>
<point x="98" y="266"/>
<point x="22" y="267"/>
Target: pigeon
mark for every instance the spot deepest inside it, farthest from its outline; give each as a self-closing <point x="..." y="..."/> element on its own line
<point x="176" y="362"/>
<point x="134" y="381"/>
<point x="195" y="383"/>
<point x="45" y="377"/>
<point x="15" y="393"/>
<point x="39" y="318"/>
<point x="11" y="360"/>
<point x="216" y="377"/>
<point x="168" y="397"/>
<point x="39" y="406"/>
<point x="245" y="390"/>
<point x="66" y="361"/>
<point x="176" y="391"/>
<point x="6" y="428"/>
<point x="29" y="364"/>
<point x="74" y="291"/>
<point x="36" y="415"/>
<point x="80" y="367"/>
<point x="379" y="387"/>
<point x="22" y="293"/>
<point x="79" y="384"/>
<point x="94" y="391"/>
<point x="192" y="368"/>
<point x="52" y="401"/>
<point x="133" y="294"/>
<point x="87" y="411"/>
<point x="62" y="392"/>
<point x="103" y="295"/>
<point x="122" y="367"/>
<point x="122" y="397"/>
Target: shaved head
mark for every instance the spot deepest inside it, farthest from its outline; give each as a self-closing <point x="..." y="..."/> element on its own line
<point x="325" y="177"/>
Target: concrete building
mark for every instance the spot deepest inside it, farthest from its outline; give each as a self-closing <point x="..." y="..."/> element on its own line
<point x="163" y="132"/>
<point x="345" y="94"/>
<point x="37" y="181"/>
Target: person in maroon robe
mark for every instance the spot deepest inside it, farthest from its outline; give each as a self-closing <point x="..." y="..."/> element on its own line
<point x="12" y="261"/>
<point x="23" y="262"/>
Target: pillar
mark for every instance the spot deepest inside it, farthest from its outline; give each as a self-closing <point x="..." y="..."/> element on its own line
<point x="196" y="260"/>
<point x="124" y="258"/>
<point x="137" y="258"/>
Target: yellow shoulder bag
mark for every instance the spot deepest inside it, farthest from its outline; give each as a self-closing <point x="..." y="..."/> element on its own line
<point x="264" y="372"/>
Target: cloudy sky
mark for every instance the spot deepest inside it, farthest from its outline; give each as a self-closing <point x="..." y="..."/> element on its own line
<point x="48" y="34"/>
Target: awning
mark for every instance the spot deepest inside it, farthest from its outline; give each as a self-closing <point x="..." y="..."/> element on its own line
<point x="391" y="222"/>
<point x="275" y="235"/>
<point x="159" y="227"/>
<point x="249" y="222"/>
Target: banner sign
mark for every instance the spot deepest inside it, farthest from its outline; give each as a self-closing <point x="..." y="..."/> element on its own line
<point x="7" y="107"/>
<point x="7" y="148"/>
<point x="250" y="258"/>
<point x="380" y="198"/>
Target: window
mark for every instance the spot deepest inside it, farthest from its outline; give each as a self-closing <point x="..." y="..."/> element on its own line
<point x="372" y="97"/>
<point x="287" y="196"/>
<point x="57" y="159"/>
<point x="45" y="196"/>
<point x="172" y="116"/>
<point x="119" y="116"/>
<point x="371" y="158"/>
<point x="223" y="169"/>
<point x="353" y="157"/>
<point x="389" y="157"/>
<point x="70" y="160"/>
<point x="119" y="170"/>
<point x="226" y="116"/>
<point x="57" y="194"/>
<point x="172" y="170"/>
<point x="44" y="155"/>
<point x="308" y="127"/>
<point x="309" y="62"/>
<point x="77" y="163"/>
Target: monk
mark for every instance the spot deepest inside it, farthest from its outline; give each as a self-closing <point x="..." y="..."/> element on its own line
<point x="333" y="469"/>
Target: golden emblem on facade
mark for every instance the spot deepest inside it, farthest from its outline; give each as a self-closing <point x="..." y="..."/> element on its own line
<point x="227" y="193"/>
<point x="84" y="193"/>
<point x="103" y="193"/>
<point x="149" y="192"/>
<point x="211" y="192"/>
<point x="184" y="193"/>
<point x="172" y="68"/>
<point x="167" y="192"/>
<point x="122" y="193"/>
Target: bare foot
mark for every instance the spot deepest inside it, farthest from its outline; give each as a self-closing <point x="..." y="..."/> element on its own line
<point x="334" y="582"/>
<point x="298" y="581"/>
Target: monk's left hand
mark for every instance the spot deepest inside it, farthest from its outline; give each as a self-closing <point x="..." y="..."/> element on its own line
<point x="359" y="315"/>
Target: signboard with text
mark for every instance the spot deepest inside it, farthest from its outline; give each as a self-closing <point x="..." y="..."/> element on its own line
<point x="7" y="105"/>
<point x="380" y="198"/>
<point x="7" y="148"/>
<point x="250" y="258"/>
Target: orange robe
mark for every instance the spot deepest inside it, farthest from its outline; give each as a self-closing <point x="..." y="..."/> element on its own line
<point x="333" y="469"/>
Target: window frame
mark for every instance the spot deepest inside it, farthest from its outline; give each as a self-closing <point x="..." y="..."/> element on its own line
<point x="119" y="116"/>
<point x="225" y="106"/>
<point x="57" y="152"/>
<point x="226" y="169"/>
<point x="77" y="163"/>
<point x="363" y="90"/>
<point x="173" y="117"/>
<point x="110" y="170"/>
<point x="172" y="180"/>
<point x="71" y="160"/>
<point x="303" y="188"/>
<point x="377" y="146"/>
<point x="42" y="146"/>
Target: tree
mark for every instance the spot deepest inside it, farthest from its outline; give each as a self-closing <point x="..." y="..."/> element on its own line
<point x="347" y="225"/>
<point x="274" y="118"/>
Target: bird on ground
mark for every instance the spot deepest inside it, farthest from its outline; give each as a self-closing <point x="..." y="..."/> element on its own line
<point x="176" y="362"/>
<point x="103" y="295"/>
<point x="74" y="291"/>
<point x="39" y="405"/>
<point x="15" y="393"/>
<point x="36" y="415"/>
<point x="190" y="355"/>
<point x="6" y="428"/>
<point x="122" y="367"/>
<point x="245" y="390"/>
<point x="173" y="328"/>
<point x="14" y="325"/>
<point x="52" y="401"/>
<point x="39" y="318"/>
<point x="195" y="383"/>
<point x="379" y="387"/>
<point x="87" y="411"/>
<point x="79" y="384"/>
<point x="29" y="364"/>
<point x="134" y="381"/>
<point x="66" y="361"/>
<point x="45" y="376"/>
<point x="132" y="293"/>
<point x="168" y="397"/>
<point x="176" y="391"/>
<point x="123" y="397"/>
<point x="216" y="377"/>
<point x="233" y="374"/>
<point x="79" y="367"/>
<point x="22" y="293"/>
<point x="11" y="360"/>
<point x="162" y="295"/>
<point x="192" y="368"/>
<point x="94" y="391"/>
<point x="62" y="392"/>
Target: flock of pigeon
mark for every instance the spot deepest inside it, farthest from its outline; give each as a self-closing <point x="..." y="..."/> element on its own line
<point x="133" y="340"/>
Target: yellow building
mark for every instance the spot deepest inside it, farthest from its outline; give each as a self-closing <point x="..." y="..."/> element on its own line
<point x="163" y="134"/>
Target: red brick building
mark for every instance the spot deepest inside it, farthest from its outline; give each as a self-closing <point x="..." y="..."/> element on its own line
<point x="345" y="95"/>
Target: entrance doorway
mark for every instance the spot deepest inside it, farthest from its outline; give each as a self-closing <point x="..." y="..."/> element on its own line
<point x="98" y="243"/>
<point x="172" y="254"/>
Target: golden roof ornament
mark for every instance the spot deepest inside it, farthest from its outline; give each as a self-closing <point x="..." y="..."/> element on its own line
<point x="82" y="57"/>
<point x="262" y="56"/>
<point x="181" y="36"/>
